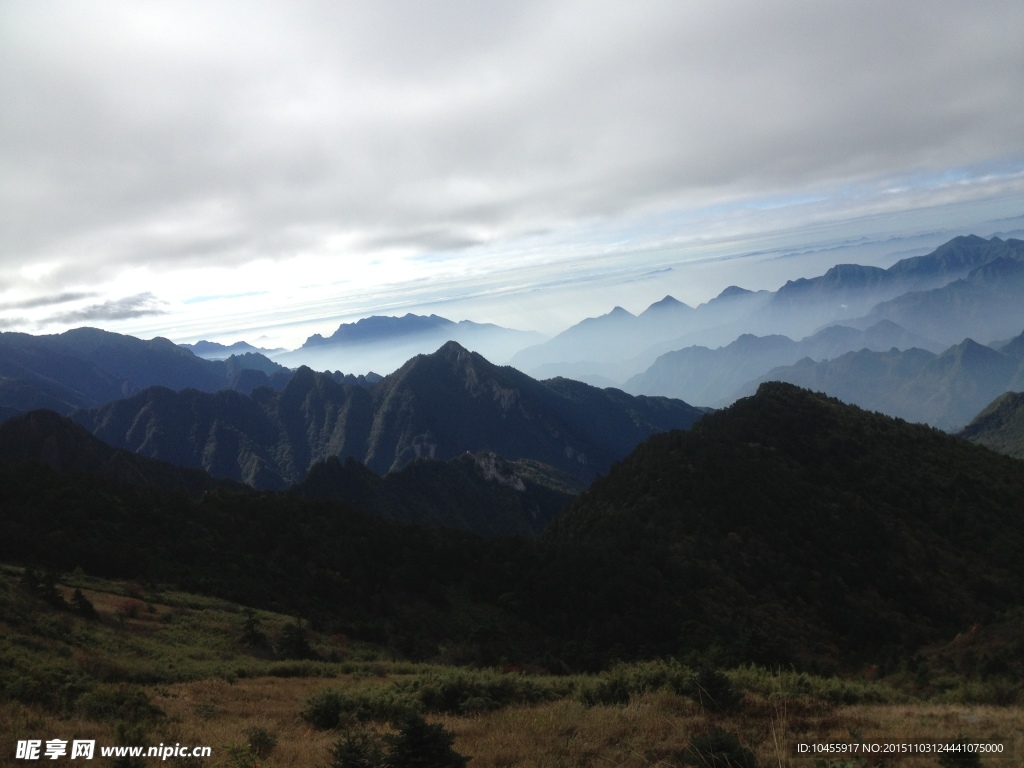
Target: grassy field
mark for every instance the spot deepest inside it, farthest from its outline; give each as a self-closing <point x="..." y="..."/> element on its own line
<point x="158" y="667"/>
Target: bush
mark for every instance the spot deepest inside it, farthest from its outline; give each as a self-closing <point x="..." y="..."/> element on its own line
<point x="81" y="605"/>
<point x="117" y="702"/>
<point x="714" y="691"/>
<point x="332" y="709"/>
<point x="718" y="749"/>
<point x="358" y="749"/>
<point x="622" y="681"/>
<point x="261" y="742"/>
<point x="416" y="744"/>
<point x="464" y="692"/>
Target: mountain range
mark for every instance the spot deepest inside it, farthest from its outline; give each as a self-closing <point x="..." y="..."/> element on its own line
<point x="968" y="287"/>
<point x="716" y="377"/>
<point x="381" y="343"/>
<point x="86" y="367"/>
<point x="945" y="390"/>
<point x="788" y="529"/>
<point x="435" y="406"/>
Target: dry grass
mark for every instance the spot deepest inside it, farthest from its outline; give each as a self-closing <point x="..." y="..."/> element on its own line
<point x="226" y="691"/>
<point x="652" y="730"/>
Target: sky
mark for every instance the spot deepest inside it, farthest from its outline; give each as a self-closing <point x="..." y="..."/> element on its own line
<point x="266" y="170"/>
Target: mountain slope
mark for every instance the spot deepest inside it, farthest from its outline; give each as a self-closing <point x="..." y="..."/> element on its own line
<point x="480" y="493"/>
<point x="46" y="438"/>
<point x="1000" y="426"/>
<point x="787" y="527"/>
<point x="436" y="406"/>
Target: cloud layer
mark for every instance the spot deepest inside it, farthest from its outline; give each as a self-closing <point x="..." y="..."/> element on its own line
<point x="366" y="141"/>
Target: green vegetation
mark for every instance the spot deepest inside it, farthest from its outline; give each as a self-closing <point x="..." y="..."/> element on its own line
<point x="179" y="669"/>
<point x="789" y="530"/>
<point x="1001" y="425"/>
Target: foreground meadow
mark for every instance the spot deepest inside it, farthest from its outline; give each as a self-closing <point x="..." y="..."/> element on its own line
<point x="149" y="668"/>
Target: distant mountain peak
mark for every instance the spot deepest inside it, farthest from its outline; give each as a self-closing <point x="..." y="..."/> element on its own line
<point x="733" y="290"/>
<point x="666" y="307"/>
<point x="378" y="327"/>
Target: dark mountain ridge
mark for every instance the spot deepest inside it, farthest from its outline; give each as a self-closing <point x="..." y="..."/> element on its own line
<point x="55" y="441"/>
<point x="436" y="406"/>
<point x="481" y="493"/>
<point x="86" y="367"/>
<point x="787" y="529"/>
<point x="474" y="492"/>
<point x="797" y="526"/>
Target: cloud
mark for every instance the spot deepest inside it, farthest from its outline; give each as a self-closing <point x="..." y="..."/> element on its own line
<point x="174" y="136"/>
<point x="142" y="305"/>
<point x="46" y="301"/>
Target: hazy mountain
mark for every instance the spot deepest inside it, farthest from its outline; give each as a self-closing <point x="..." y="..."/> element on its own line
<point x="714" y="377"/>
<point x="851" y="289"/>
<point x="382" y="343"/>
<point x="1000" y="426"/>
<point x="788" y="527"/>
<point x="86" y="367"/>
<point x="944" y="390"/>
<point x="55" y="441"/>
<point x="984" y="305"/>
<point x="435" y="406"/>
<point x="212" y="350"/>
<point x="480" y="493"/>
<point x="607" y="347"/>
<point x="619" y="345"/>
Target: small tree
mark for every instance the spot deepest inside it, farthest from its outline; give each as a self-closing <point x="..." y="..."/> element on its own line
<point x="418" y="744"/>
<point x="81" y="605"/>
<point x="252" y="635"/>
<point x="293" y="643"/>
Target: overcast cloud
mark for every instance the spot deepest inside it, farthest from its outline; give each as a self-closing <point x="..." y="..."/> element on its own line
<point x="335" y="152"/>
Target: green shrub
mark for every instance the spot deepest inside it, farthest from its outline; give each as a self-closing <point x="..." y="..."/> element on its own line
<point x="332" y="709"/>
<point x="622" y="681"/>
<point x="81" y="605"/>
<point x="419" y="744"/>
<point x="358" y="749"/>
<point x="415" y="744"/>
<point x="714" y="691"/>
<point x="718" y="749"/>
<point x="261" y="742"/>
<point x="110" y="703"/>
<point x="466" y="692"/>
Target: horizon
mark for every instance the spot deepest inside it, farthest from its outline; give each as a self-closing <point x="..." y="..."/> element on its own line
<point x="264" y="173"/>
